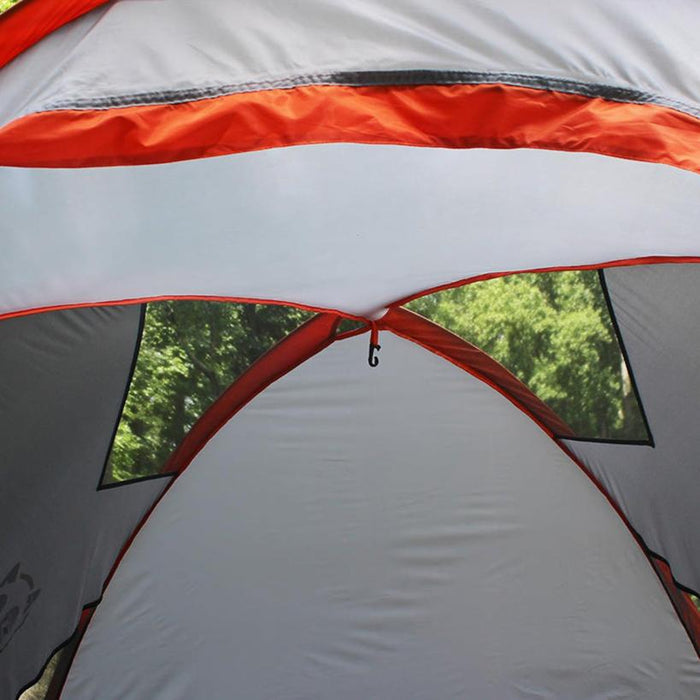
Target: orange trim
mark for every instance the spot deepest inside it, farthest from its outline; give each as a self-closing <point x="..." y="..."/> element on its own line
<point x="625" y="262"/>
<point x="473" y="360"/>
<point x="30" y="21"/>
<point x="177" y="297"/>
<point x="450" y="116"/>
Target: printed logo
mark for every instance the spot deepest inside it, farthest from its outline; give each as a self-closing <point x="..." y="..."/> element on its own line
<point x="17" y="595"/>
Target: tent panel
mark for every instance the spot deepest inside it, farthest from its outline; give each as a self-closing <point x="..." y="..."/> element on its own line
<point x="62" y="382"/>
<point x="180" y="50"/>
<point x="397" y="532"/>
<point x="335" y="226"/>
<point x="658" y="311"/>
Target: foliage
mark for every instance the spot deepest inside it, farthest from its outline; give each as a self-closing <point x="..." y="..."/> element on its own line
<point x="7" y="4"/>
<point x="191" y="351"/>
<point x="554" y="333"/>
<point x="552" y="330"/>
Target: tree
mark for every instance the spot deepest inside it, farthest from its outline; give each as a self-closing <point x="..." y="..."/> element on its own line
<point x="7" y="4"/>
<point x="553" y="331"/>
<point x="190" y="352"/>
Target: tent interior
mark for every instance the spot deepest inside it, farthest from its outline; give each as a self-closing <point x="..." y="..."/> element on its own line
<point x="349" y="350"/>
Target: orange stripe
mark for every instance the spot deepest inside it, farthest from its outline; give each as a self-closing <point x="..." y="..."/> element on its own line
<point x="27" y="23"/>
<point x="451" y="116"/>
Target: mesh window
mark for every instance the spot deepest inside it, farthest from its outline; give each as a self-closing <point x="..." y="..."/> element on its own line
<point x="555" y="333"/>
<point x="190" y="352"/>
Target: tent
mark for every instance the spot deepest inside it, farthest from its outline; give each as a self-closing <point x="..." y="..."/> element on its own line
<point x="421" y="525"/>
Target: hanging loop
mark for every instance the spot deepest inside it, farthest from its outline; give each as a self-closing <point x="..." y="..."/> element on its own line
<point x="373" y="359"/>
<point x="374" y="346"/>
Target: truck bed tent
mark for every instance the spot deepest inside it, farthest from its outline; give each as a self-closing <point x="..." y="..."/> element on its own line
<point x="375" y="507"/>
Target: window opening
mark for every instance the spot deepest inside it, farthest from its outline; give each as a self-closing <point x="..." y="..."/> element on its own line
<point x="190" y="353"/>
<point x="554" y="332"/>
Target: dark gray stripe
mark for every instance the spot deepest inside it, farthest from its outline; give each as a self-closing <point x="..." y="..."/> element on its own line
<point x="383" y="78"/>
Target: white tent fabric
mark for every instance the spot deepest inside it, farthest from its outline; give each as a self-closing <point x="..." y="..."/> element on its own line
<point x="347" y="227"/>
<point x="658" y="310"/>
<point x="186" y="47"/>
<point x="404" y="532"/>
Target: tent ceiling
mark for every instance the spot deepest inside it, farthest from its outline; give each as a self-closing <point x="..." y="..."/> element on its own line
<point x="346" y="227"/>
<point x="194" y="46"/>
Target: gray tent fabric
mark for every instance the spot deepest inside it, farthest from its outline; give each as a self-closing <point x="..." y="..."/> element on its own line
<point x="404" y="532"/>
<point x="607" y="47"/>
<point x="657" y="308"/>
<point x="61" y="387"/>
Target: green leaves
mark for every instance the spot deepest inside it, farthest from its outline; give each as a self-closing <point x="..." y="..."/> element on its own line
<point x="553" y="331"/>
<point x="7" y="4"/>
<point x="191" y="351"/>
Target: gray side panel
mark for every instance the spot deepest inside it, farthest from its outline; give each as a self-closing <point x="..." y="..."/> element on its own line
<point x="399" y="533"/>
<point x="658" y="311"/>
<point x="62" y="379"/>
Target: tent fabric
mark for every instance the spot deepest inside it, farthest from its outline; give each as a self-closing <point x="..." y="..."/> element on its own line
<point x="657" y="308"/>
<point x="337" y="539"/>
<point x="598" y="43"/>
<point x="297" y="347"/>
<point x="473" y="360"/>
<point x="292" y="66"/>
<point x="463" y="552"/>
<point x="346" y="227"/>
<point x="61" y="387"/>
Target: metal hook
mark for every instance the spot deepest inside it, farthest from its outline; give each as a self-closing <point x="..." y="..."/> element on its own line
<point x="373" y="359"/>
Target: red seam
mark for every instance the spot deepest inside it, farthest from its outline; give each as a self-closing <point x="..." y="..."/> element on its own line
<point x="623" y="262"/>
<point x="180" y="297"/>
